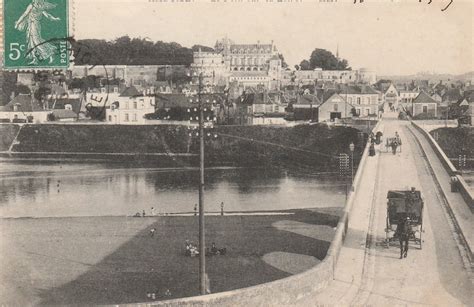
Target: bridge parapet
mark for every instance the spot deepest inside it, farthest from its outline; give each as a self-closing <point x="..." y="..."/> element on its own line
<point x="464" y="188"/>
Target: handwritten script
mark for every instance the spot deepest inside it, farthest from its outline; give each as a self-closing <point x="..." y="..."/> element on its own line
<point x="427" y="1"/>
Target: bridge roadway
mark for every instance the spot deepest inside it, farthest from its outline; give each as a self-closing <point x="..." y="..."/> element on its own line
<point x="368" y="273"/>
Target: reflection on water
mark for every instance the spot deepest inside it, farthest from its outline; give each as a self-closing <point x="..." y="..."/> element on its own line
<point x="40" y="189"/>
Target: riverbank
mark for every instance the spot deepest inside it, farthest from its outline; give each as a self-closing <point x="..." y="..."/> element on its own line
<point x="112" y="260"/>
<point x="315" y="146"/>
<point x="455" y="142"/>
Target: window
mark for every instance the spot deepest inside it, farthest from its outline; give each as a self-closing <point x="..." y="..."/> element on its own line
<point x="425" y="109"/>
<point x="135" y="117"/>
<point x="126" y="105"/>
<point x="110" y="118"/>
<point x="135" y="104"/>
<point x="358" y="100"/>
<point x="126" y="117"/>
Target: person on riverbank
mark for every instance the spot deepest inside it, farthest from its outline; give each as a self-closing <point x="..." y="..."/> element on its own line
<point x="152" y="232"/>
<point x="143" y="213"/>
<point x="152" y="211"/>
<point x="222" y="208"/>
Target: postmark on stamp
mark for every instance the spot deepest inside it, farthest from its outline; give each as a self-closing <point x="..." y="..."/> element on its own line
<point x="30" y="28"/>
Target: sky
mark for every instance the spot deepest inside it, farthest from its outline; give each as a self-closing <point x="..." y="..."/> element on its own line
<point x="393" y="37"/>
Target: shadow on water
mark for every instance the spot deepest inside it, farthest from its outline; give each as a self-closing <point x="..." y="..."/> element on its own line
<point x="153" y="264"/>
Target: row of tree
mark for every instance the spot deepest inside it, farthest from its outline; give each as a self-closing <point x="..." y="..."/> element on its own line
<point x="132" y="51"/>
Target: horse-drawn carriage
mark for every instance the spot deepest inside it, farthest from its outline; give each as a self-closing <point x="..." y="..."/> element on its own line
<point x="406" y="205"/>
<point x="394" y="141"/>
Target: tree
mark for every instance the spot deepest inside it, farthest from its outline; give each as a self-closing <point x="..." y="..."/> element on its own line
<point x="283" y="63"/>
<point x="305" y="65"/>
<point x="130" y="51"/>
<point x="324" y="59"/>
<point x="196" y="48"/>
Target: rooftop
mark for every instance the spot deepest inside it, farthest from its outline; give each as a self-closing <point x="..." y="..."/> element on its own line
<point x="423" y="97"/>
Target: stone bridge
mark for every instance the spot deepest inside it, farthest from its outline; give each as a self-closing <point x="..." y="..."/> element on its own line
<point x="359" y="269"/>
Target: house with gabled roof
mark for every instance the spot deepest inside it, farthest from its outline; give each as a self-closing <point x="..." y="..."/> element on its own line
<point x="425" y="105"/>
<point x="333" y="107"/>
<point x="466" y="107"/>
<point x="24" y="108"/>
<point x="391" y="97"/>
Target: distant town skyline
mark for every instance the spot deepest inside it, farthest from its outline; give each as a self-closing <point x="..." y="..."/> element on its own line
<point x="393" y="37"/>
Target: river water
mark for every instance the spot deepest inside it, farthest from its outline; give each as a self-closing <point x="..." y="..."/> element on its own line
<point x="60" y="189"/>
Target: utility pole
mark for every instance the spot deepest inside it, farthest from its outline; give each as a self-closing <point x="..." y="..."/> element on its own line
<point x="202" y="247"/>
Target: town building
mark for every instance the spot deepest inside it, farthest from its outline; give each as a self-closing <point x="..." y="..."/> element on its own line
<point x="407" y="96"/>
<point x="333" y="107"/>
<point x="24" y="109"/>
<point x="325" y="106"/>
<point x="261" y="108"/>
<point x="306" y="107"/>
<point x="363" y="98"/>
<point x="136" y="75"/>
<point x="248" y="64"/>
<point x="451" y="96"/>
<point x="424" y="106"/>
<point x="391" y="98"/>
<point x="318" y="75"/>
<point x="130" y="107"/>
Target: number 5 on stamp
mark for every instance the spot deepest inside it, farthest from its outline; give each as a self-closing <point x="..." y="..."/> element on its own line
<point x="35" y="34"/>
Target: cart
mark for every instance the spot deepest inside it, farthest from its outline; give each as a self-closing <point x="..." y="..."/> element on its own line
<point x="389" y="141"/>
<point x="400" y="205"/>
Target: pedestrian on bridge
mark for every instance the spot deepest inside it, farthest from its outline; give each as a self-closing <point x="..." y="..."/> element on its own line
<point x="403" y="235"/>
<point x="394" y="145"/>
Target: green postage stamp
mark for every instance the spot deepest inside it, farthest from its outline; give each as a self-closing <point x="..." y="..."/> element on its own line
<point x="35" y="34"/>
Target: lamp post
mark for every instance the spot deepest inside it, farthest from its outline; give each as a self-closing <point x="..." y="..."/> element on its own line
<point x="351" y="148"/>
